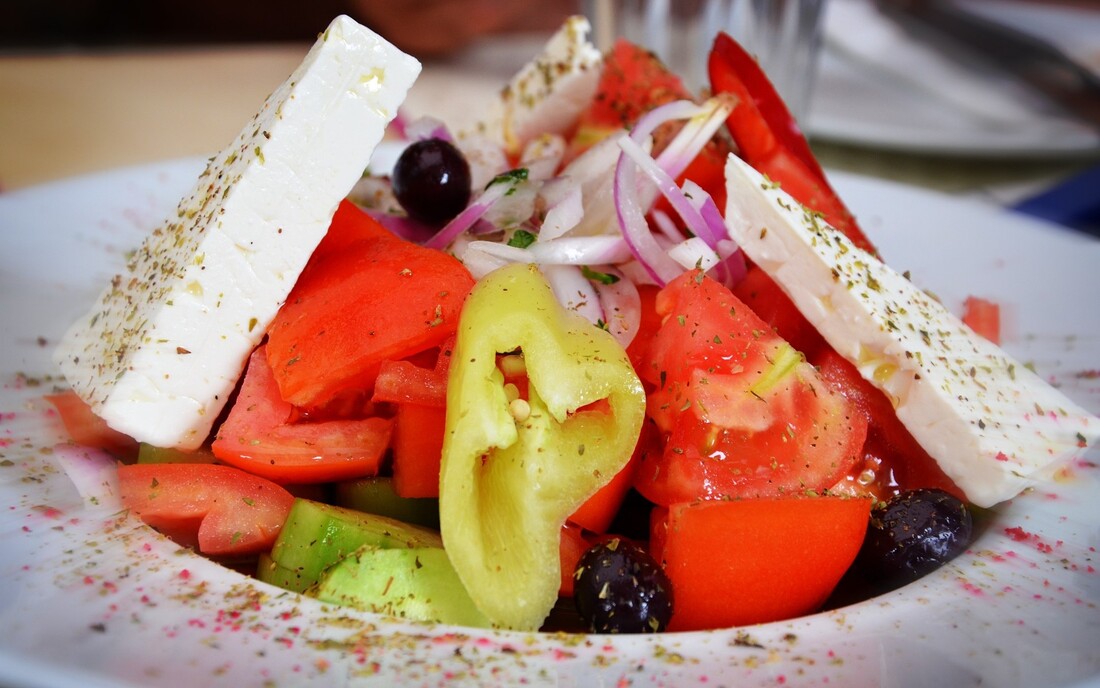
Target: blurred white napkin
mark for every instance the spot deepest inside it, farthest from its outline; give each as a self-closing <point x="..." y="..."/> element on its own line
<point x="856" y="31"/>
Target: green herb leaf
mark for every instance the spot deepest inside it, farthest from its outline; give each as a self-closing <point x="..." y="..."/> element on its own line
<point x="521" y="238"/>
<point x="596" y="276"/>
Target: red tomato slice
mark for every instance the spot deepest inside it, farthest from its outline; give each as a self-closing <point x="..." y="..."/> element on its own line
<point x="572" y="547"/>
<point x="984" y="317"/>
<point x="418" y="433"/>
<point x="599" y="510"/>
<point x="763" y="559"/>
<point x="365" y="296"/>
<point x="771" y="303"/>
<point x="259" y="436"/>
<point x="638" y="349"/>
<point x="633" y="81"/>
<point x="406" y="382"/>
<point x="743" y="412"/>
<point x="87" y="429"/>
<point x="221" y="510"/>
<point x="769" y="138"/>
<point x="894" y="458"/>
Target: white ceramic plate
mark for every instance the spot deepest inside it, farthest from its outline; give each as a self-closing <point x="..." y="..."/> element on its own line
<point x="856" y="105"/>
<point x="90" y="598"/>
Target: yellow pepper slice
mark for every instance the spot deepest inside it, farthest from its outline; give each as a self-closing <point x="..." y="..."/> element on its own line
<point x="510" y="480"/>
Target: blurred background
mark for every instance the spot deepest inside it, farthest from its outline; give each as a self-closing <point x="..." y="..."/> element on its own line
<point x="87" y="85"/>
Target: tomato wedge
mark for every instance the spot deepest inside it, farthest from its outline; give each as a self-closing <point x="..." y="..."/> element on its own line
<point x="744" y="414"/>
<point x="366" y="296"/>
<point x="219" y="509"/>
<point x="756" y="560"/>
<point x="87" y="429"/>
<point x="769" y="138"/>
<point x="984" y="317"/>
<point x="260" y="436"/>
<point x="633" y="81"/>
<point x="891" y="453"/>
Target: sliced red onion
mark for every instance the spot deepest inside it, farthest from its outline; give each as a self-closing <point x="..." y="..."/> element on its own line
<point x="594" y="172"/>
<point x="666" y="185"/>
<point x="694" y="253"/>
<point x="732" y="269"/>
<point x="499" y="188"/>
<point x="484" y="156"/>
<point x="704" y="121"/>
<point x="577" y="251"/>
<point x="477" y="260"/>
<point x="581" y="250"/>
<point x="712" y="229"/>
<point x="666" y="226"/>
<point x="404" y="227"/>
<point x="426" y="127"/>
<point x="93" y="472"/>
<point x="621" y="304"/>
<point x="542" y="156"/>
<point x="677" y="109"/>
<point x="565" y="211"/>
<point x="574" y="292"/>
<point x="515" y="207"/>
<point x="695" y="135"/>
<point x="635" y="230"/>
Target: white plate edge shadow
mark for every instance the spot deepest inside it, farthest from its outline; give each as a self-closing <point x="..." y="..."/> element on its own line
<point x="855" y="645"/>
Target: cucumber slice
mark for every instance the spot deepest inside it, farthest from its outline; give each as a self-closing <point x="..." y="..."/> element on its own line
<point x="316" y="536"/>
<point x="418" y="584"/>
<point x="376" y="495"/>
<point x="147" y="453"/>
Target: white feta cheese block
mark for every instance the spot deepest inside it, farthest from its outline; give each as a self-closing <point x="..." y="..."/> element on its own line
<point x="165" y="343"/>
<point x="548" y="93"/>
<point x="993" y="425"/>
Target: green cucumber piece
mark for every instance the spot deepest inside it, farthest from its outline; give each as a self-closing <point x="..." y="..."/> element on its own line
<point x="418" y="584"/>
<point x="316" y="536"/>
<point x="147" y="453"/>
<point x="376" y="495"/>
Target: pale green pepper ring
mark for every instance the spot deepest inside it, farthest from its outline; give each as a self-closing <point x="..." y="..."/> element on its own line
<point x="509" y="481"/>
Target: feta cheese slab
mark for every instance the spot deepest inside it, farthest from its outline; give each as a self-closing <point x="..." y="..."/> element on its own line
<point x="165" y="343"/>
<point x="548" y="93"/>
<point x="992" y="424"/>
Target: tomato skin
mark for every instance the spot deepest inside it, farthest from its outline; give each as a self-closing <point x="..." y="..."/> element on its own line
<point x="632" y="82"/>
<point x="984" y="317"/>
<point x="89" y="430"/>
<point x="598" y="511"/>
<point x="366" y="296"/>
<point x="768" y="300"/>
<point x="417" y="449"/>
<point x="769" y="138"/>
<point x="222" y="510"/>
<point x="259" y="436"/>
<point x="764" y="559"/>
<point x="573" y="545"/>
<point x="742" y="413"/>
<point x="897" y="461"/>
<point x="639" y="347"/>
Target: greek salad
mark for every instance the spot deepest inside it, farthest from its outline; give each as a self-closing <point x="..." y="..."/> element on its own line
<point x="616" y="360"/>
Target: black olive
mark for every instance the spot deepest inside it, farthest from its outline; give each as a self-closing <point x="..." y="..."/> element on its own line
<point x="619" y="588"/>
<point x="912" y="534"/>
<point x="431" y="180"/>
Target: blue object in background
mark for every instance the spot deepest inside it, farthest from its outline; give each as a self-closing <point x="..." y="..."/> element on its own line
<point x="1074" y="203"/>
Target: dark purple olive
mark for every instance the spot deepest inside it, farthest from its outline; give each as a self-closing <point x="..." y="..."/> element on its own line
<point x="913" y="534"/>
<point x="431" y="180"/>
<point x="619" y="588"/>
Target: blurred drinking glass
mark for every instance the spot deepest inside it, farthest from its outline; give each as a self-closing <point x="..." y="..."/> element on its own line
<point x="785" y="36"/>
